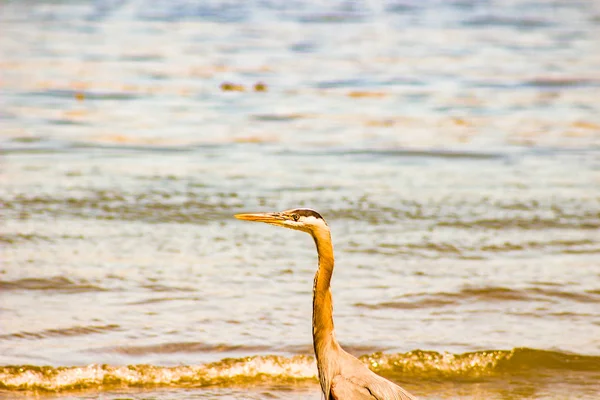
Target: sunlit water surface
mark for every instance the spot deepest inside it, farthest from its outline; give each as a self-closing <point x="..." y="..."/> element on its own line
<point x="453" y="148"/>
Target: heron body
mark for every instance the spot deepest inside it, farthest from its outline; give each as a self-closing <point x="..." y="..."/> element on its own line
<point x="342" y="376"/>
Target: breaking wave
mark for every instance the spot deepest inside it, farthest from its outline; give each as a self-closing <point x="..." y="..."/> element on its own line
<point x="416" y="365"/>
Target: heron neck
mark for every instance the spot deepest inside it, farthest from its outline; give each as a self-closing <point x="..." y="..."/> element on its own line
<point x="323" y="337"/>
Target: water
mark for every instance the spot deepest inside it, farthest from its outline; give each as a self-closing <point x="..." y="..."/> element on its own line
<point x="453" y="148"/>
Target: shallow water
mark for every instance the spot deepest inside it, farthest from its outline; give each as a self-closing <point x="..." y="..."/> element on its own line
<point x="453" y="148"/>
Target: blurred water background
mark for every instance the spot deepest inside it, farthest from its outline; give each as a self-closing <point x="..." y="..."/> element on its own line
<point x="453" y="147"/>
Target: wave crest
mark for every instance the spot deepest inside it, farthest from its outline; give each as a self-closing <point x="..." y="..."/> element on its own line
<point x="416" y="365"/>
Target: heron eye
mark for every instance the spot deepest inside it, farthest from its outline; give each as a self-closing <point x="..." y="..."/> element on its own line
<point x="295" y="217"/>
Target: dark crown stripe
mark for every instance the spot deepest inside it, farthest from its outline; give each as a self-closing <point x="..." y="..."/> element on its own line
<point x="305" y="212"/>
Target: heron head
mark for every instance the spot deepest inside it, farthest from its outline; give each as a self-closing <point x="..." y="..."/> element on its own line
<point x="301" y="219"/>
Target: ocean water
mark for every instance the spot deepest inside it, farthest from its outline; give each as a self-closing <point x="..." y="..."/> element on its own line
<point x="452" y="146"/>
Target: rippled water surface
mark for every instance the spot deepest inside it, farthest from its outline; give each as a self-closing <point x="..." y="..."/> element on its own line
<point x="453" y="147"/>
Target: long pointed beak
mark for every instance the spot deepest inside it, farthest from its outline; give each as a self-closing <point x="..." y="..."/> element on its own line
<point x="269" y="218"/>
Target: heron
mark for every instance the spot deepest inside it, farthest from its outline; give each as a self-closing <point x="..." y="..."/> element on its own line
<point x="342" y="376"/>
